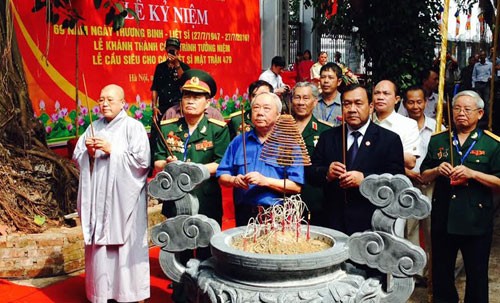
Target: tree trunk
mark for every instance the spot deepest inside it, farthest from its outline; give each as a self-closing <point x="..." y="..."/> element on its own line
<point x="33" y="179"/>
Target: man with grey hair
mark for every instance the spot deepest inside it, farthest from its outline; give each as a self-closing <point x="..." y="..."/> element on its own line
<point x="304" y="100"/>
<point x="466" y="169"/>
<point x="257" y="183"/>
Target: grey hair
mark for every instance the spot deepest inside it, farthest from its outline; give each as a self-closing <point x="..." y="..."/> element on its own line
<point x="472" y="94"/>
<point x="314" y="88"/>
<point x="274" y="97"/>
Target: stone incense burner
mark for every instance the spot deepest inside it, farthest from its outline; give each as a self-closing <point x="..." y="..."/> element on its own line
<point x="332" y="275"/>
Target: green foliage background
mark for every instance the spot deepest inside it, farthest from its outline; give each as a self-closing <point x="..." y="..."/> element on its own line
<point x="397" y="37"/>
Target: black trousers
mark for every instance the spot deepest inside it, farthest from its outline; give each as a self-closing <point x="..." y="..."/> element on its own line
<point x="475" y="252"/>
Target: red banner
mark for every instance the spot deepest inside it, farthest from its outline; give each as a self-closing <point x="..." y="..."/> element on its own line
<point x="219" y="36"/>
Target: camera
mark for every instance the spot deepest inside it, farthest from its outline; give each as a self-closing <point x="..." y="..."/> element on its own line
<point x="172" y="52"/>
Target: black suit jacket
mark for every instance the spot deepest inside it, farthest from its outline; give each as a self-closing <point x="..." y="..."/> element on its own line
<point x="381" y="151"/>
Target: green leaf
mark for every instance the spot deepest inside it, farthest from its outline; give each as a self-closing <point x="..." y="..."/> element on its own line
<point x="120" y="7"/>
<point x="39" y="220"/>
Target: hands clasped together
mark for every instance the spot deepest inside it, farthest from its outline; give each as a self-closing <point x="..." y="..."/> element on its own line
<point x="347" y="179"/>
<point x="94" y="144"/>
<point x="251" y="178"/>
<point x="458" y="174"/>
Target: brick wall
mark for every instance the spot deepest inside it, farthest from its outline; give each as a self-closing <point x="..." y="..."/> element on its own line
<point x="55" y="252"/>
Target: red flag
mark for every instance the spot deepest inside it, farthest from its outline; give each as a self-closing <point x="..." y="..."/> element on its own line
<point x="467" y="23"/>
<point x="331" y="10"/>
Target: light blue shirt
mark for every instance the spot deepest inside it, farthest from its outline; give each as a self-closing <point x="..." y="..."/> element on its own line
<point x="481" y="72"/>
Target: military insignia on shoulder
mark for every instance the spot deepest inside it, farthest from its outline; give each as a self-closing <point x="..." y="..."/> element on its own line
<point x="217" y="122"/>
<point x="325" y="122"/>
<point x="168" y="121"/>
<point x="487" y="132"/>
<point x="238" y="113"/>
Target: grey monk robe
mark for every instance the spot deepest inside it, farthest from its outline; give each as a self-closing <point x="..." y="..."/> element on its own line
<point x="113" y="209"/>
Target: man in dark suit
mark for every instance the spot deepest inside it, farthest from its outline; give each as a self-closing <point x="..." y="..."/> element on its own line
<point x="370" y="149"/>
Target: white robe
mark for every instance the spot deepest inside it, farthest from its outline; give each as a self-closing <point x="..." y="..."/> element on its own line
<point x="112" y="204"/>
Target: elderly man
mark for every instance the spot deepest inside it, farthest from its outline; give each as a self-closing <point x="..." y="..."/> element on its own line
<point x="196" y="138"/>
<point x="316" y="68"/>
<point x="113" y="155"/>
<point x="462" y="208"/>
<point x="257" y="183"/>
<point x="329" y="108"/>
<point x="234" y="124"/>
<point x="371" y="149"/>
<point x="304" y="100"/>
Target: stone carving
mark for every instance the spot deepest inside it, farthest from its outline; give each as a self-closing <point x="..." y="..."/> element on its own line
<point x="174" y="183"/>
<point x="236" y="276"/>
<point x="187" y="230"/>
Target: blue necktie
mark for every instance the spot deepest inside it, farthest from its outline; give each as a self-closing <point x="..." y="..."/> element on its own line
<point x="353" y="150"/>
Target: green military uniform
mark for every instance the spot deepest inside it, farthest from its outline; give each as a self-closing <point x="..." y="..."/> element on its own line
<point x="206" y="144"/>
<point x="313" y="195"/>
<point x="235" y="123"/>
<point x="463" y="209"/>
<point x="462" y="214"/>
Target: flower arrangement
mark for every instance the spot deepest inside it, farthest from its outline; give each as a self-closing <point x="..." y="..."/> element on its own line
<point x="348" y="77"/>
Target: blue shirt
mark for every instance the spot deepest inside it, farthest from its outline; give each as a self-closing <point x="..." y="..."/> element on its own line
<point x="481" y="72"/>
<point x="233" y="164"/>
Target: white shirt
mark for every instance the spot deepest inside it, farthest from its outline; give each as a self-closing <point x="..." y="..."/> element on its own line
<point x="315" y="69"/>
<point x="430" y="107"/>
<point x="425" y="134"/>
<point x="361" y="130"/>
<point x="275" y="80"/>
<point x="406" y="128"/>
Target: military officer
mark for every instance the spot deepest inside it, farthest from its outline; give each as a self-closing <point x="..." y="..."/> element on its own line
<point x="462" y="207"/>
<point x="196" y="138"/>
<point x="234" y="124"/>
<point x="304" y="100"/>
<point x="199" y="139"/>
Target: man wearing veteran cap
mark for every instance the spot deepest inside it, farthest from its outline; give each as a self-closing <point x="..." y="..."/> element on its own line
<point x="195" y="138"/>
<point x="165" y="90"/>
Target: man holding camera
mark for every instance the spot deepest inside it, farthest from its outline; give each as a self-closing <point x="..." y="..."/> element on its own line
<point x="165" y="90"/>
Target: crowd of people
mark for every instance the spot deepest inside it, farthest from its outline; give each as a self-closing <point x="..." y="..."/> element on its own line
<point x="348" y="135"/>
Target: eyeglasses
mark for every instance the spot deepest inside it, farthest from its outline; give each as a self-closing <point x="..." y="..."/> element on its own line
<point x="467" y="111"/>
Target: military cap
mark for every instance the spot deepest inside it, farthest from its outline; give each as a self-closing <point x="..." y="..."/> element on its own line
<point x="174" y="42"/>
<point x="196" y="80"/>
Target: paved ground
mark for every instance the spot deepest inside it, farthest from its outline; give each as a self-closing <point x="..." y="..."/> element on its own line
<point x="420" y="294"/>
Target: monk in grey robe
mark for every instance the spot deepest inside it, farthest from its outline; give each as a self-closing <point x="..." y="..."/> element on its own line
<point x="114" y="157"/>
